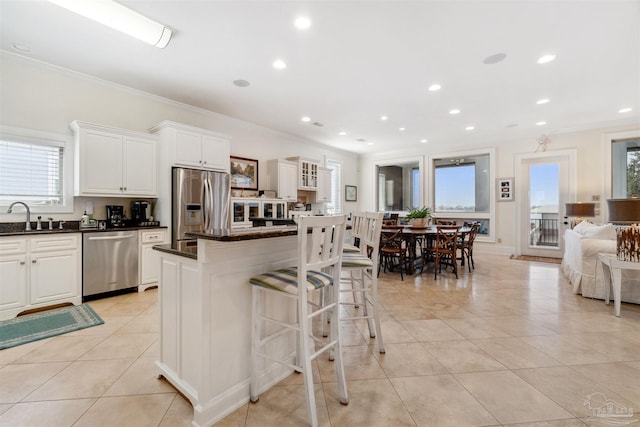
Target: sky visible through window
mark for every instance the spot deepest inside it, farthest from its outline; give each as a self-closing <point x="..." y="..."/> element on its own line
<point x="455" y="188"/>
<point x="543" y="184"/>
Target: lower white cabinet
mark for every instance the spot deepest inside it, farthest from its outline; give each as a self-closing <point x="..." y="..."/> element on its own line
<point x="148" y="258"/>
<point x="37" y="271"/>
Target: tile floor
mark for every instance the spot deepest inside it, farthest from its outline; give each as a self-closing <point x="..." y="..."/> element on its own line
<point x="507" y="344"/>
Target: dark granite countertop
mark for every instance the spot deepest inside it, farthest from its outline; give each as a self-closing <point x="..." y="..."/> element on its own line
<point x="17" y="228"/>
<point x="253" y="233"/>
<point x="168" y="248"/>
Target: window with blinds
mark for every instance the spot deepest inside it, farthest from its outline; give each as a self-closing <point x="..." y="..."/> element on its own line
<point x="336" y="184"/>
<point x="31" y="171"/>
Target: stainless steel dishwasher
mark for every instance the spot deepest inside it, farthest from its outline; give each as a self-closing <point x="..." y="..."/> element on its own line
<point x="109" y="261"/>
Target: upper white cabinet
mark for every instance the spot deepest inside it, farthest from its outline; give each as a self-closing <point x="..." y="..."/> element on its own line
<point x="324" y="185"/>
<point x="194" y="147"/>
<point x="283" y="178"/>
<point x="307" y="173"/>
<point x="114" y="162"/>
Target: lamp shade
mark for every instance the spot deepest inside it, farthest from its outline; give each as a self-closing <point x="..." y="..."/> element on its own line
<point x="580" y="209"/>
<point x="624" y="210"/>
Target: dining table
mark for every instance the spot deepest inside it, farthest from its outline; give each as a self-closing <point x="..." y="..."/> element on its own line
<point x="411" y="234"/>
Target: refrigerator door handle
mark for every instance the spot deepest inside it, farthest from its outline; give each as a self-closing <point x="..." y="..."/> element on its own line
<point x="208" y="203"/>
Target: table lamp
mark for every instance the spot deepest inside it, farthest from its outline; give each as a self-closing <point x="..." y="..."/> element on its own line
<point x="626" y="211"/>
<point x="578" y="211"/>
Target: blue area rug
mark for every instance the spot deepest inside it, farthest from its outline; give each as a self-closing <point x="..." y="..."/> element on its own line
<point x="45" y="324"/>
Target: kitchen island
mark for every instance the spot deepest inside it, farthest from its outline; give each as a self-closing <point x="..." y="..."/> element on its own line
<point x="205" y="316"/>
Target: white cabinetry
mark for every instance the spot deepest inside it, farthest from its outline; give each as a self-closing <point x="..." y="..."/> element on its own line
<point x="111" y="161"/>
<point x="194" y="147"/>
<point x="307" y="173"/>
<point x="39" y="270"/>
<point x="283" y="178"/>
<point x="324" y="185"/>
<point x="148" y="258"/>
<point x="245" y="208"/>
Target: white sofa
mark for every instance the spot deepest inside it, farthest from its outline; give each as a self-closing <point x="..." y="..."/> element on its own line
<point x="580" y="262"/>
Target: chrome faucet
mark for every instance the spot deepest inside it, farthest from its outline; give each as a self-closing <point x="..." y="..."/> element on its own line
<point x="28" y="224"/>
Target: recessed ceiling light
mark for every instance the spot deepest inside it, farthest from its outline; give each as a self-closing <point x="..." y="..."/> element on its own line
<point x="434" y="87"/>
<point x="423" y="141"/>
<point x="541" y="123"/>
<point x="302" y="23"/>
<point x="401" y="129"/>
<point x="383" y="118"/>
<point x="542" y="101"/>
<point x="306" y="119"/>
<point x="546" y="58"/>
<point x="241" y="83"/>
<point x="343" y="133"/>
<point x="21" y="47"/>
<point x="369" y="143"/>
<point x="279" y="64"/>
<point x="625" y="110"/>
<point x="494" y="59"/>
<point x="454" y="111"/>
<point x="470" y="128"/>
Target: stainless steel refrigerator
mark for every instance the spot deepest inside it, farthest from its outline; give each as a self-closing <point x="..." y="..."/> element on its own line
<point x="200" y="202"/>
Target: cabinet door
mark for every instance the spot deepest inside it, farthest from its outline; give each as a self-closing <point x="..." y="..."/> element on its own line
<point x="13" y="285"/>
<point x="54" y="276"/>
<point x="140" y="160"/>
<point x="215" y="153"/>
<point x="188" y="148"/>
<point x="287" y="181"/>
<point x="324" y="185"/>
<point x="239" y="213"/>
<point x="100" y="163"/>
<point x="281" y="210"/>
<point x="150" y="258"/>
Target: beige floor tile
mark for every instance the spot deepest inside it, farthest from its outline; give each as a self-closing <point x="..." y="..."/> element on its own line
<point x="515" y="353"/>
<point x="509" y="398"/>
<point x="618" y="377"/>
<point x="476" y="328"/>
<point x="153" y="351"/>
<point x="139" y="378"/>
<point x="297" y="378"/>
<point x="180" y="414"/>
<point x="572" y="422"/>
<point x="431" y="330"/>
<point x="141" y="325"/>
<point x="111" y="324"/>
<point x="141" y="411"/>
<point x="62" y="348"/>
<point x="58" y="413"/>
<point x="462" y="356"/>
<point x="568" y="388"/>
<point x="615" y="348"/>
<point x="359" y="363"/>
<point x="518" y="326"/>
<point x="440" y="400"/>
<point x="125" y="309"/>
<point x="81" y="379"/>
<point x="17" y="381"/>
<point x="123" y="346"/>
<point x="4" y="407"/>
<point x="408" y="359"/>
<point x="392" y="332"/>
<point x="9" y="355"/>
<point x="286" y="406"/>
<point x="371" y="403"/>
<point x="566" y="351"/>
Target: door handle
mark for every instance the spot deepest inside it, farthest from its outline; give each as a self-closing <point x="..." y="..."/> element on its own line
<point x="129" y="236"/>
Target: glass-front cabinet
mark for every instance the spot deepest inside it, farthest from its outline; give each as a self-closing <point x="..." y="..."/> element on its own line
<point x="274" y="209"/>
<point x="243" y="209"/>
<point x="307" y="173"/>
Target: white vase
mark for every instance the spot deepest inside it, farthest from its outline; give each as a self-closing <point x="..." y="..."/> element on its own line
<point x="419" y="222"/>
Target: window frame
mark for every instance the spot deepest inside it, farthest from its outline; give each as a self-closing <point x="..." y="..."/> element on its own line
<point x="31" y="136"/>
<point x="340" y="204"/>
<point x="491" y="151"/>
<point x="395" y="162"/>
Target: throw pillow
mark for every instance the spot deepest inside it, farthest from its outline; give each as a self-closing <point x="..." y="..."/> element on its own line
<point x="603" y="232"/>
<point x="583" y="226"/>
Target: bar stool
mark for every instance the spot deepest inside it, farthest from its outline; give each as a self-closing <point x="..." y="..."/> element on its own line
<point x="320" y="242"/>
<point x="363" y="275"/>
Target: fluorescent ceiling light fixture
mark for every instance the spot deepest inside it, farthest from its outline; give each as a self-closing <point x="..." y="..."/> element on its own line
<point x="343" y="133"/>
<point x="542" y="101"/>
<point x="120" y="18"/>
<point x="546" y="58"/>
<point x="302" y="23"/>
<point x="279" y="64"/>
<point x="541" y="123"/>
<point x="454" y="111"/>
<point x="625" y="110"/>
<point x="306" y="119"/>
<point x="434" y="87"/>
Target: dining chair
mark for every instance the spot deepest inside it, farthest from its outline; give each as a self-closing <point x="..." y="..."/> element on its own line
<point x="362" y="280"/>
<point x="445" y="222"/>
<point x="392" y="247"/>
<point x="319" y="246"/>
<point x="444" y="249"/>
<point x="466" y="246"/>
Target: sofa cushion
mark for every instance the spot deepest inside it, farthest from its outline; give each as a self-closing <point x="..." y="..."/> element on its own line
<point x="605" y="232"/>
<point x="582" y="226"/>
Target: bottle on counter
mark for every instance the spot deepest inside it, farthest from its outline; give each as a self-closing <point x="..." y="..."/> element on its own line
<point x="84" y="220"/>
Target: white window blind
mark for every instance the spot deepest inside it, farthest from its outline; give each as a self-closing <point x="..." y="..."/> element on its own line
<point x="336" y="184"/>
<point x="31" y="171"/>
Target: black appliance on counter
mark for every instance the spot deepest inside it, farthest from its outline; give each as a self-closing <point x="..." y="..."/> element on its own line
<point x="141" y="214"/>
<point x="115" y="216"/>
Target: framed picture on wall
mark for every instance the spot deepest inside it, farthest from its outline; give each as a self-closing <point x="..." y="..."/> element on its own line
<point x="505" y="189"/>
<point x="244" y="173"/>
<point x="350" y="193"/>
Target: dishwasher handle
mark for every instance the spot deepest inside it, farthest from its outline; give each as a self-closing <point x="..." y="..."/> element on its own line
<point x="128" y="236"/>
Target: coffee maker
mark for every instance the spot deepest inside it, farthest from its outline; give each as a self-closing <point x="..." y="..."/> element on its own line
<point x="115" y="216"/>
<point x="140" y="211"/>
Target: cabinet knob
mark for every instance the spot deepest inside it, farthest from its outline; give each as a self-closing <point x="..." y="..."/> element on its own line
<point x="120" y="188"/>
<point x="205" y="162"/>
<point x="125" y="188"/>
<point x="21" y="262"/>
<point x="34" y="261"/>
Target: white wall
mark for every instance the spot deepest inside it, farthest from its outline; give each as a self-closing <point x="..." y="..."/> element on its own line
<point x="42" y="97"/>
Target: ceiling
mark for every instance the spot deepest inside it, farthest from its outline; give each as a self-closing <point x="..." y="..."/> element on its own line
<point x="361" y="60"/>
